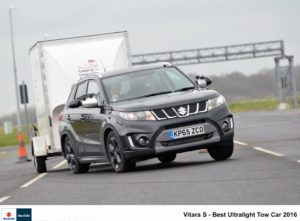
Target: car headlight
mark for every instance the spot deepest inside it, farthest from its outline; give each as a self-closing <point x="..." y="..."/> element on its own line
<point x="141" y="115"/>
<point x="215" y="102"/>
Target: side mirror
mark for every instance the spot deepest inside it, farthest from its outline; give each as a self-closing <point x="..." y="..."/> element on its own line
<point x="89" y="102"/>
<point x="202" y="81"/>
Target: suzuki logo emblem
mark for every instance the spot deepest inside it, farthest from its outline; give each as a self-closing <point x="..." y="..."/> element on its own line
<point x="182" y="111"/>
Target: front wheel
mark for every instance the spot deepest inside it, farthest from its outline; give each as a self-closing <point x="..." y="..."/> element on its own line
<point x="116" y="155"/>
<point x="167" y="158"/>
<point x="73" y="163"/>
<point x="221" y="151"/>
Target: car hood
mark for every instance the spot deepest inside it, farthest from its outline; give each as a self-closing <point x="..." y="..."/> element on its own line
<point x="165" y="100"/>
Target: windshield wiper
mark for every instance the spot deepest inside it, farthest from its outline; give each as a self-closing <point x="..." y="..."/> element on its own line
<point x="157" y="93"/>
<point x="147" y="95"/>
<point x="184" y="89"/>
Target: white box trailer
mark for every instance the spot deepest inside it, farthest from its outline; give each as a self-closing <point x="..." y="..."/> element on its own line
<point x="56" y="65"/>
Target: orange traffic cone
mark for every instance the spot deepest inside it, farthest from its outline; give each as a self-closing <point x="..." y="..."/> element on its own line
<point x="22" y="149"/>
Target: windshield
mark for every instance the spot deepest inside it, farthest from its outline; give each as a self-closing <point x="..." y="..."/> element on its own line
<point x="145" y="83"/>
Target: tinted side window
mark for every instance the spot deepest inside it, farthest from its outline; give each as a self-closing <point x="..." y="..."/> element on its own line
<point x="72" y="95"/>
<point x="81" y="90"/>
<point x="93" y="88"/>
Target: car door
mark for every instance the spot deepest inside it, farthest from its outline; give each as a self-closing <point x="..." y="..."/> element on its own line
<point x="74" y="117"/>
<point x="92" y="123"/>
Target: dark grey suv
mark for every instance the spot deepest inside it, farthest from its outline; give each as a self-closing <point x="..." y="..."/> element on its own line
<point x="143" y="112"/>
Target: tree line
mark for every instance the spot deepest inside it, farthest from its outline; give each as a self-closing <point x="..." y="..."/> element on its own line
<point x="237" y="86"/>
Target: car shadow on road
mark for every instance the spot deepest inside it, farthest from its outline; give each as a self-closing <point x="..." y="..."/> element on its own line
<point x="146" y="167"/>
<point x="152" y="166"/>
<point x="58" y="170"/>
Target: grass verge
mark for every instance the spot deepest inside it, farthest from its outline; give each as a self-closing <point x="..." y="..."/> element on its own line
<point x="12" y="139"/>
<point x="243" y="106"/>
<point x="262" y="104"/>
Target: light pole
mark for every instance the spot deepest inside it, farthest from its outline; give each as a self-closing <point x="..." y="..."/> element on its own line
<point x="15" y="67"/>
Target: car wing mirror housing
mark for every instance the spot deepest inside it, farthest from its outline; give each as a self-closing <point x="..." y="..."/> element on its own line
<point x="90" y="102"/>
<point x="202" y="81"/>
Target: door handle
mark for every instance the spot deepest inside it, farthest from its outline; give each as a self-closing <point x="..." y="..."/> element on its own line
<point x="68" y="117"/>
<point x="82" y="117"/>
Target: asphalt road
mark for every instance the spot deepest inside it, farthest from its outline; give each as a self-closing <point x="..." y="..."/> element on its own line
<point x="264" y="169"/>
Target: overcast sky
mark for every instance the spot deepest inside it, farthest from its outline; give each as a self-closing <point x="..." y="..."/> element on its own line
<point x="153" y="26"/>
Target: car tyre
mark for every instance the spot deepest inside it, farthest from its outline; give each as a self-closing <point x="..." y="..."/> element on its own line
<point x="221" y="151"/>
<point x="116" y="154"/>
<point x="167" y="158"/>
<point x="75" y="166"/>
<point x="40" y="163"/>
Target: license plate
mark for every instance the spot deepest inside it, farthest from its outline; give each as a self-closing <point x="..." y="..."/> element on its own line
<point x="186" y="132"/>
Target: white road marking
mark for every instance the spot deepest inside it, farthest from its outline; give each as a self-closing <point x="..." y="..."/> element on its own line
<point x="3" y="152"/>
<point x="59" y="164"/>
<point x="298" y="161"/>
<point x="34" y="180"/>
<point x="240" y="143"/>
<point x="268" y="151"/>
<point x="42" y="175"/>
<point x="2" y="199"/>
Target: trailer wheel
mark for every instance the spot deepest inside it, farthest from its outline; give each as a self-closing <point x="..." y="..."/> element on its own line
<point x="39" y="161"/>
<point x="40" y="164"/>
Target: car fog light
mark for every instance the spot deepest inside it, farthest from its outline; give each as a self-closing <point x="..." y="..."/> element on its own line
<point x="225" y="126"/>
<point x="143" y="141"/>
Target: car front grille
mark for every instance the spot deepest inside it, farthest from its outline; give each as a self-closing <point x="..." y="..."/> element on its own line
<point x="180" y="110"/>
<point x="187" y="140"/>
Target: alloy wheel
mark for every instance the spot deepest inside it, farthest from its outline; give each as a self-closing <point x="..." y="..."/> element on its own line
<point x="70" y="154"/>
<point x="114" y="152"/>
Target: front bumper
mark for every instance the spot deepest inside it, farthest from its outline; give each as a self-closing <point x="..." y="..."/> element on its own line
<point x="160" y="142"/>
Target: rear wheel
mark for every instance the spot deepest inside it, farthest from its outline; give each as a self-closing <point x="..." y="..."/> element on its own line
<point x="167" y="158"/>
<point x="221" y="151"/>
<point x="116" y="154"/>
<point x="73" y="163"/>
